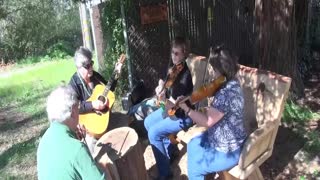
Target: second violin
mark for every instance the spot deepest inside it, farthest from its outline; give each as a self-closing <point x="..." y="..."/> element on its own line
<point x="201" y="93"/>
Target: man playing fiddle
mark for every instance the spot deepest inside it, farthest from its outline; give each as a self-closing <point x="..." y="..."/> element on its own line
<point x="158" y="125"/>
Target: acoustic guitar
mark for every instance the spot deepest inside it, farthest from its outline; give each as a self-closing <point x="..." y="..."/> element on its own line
<point x="97" y="122"/>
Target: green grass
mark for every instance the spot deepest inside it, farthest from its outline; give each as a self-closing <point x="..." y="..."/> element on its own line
<point x="28" y="84"/>
<point x="300" y="117"/>
<point x="23" y="91"/>
<point x="294" y="113"/>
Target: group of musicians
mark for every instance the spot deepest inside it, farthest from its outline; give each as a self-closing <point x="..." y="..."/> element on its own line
<point x="61" y="155"/>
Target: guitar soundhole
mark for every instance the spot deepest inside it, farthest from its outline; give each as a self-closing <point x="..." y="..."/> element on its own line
<point x="102" y="99"/>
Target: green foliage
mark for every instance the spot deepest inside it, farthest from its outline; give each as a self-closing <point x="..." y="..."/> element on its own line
<point x="60" y="50"/>
<point x="30" y="27"/>
<point x="302" y="178"/>
<point x="113" y="33"/>
<point x="295" y="113"/>
<point x="313" y="143"/>
<point x="30" y="60"/>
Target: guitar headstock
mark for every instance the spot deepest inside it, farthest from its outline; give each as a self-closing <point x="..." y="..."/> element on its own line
<point x="122" y="58"/>
<point x="119" y="64"/>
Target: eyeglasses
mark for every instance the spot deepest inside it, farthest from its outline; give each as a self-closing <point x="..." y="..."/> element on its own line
<point x="88" y="65"/>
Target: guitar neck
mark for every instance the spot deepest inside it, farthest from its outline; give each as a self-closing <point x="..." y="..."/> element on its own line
<point x="110" y="82"/>
<point x="115" y="76"/>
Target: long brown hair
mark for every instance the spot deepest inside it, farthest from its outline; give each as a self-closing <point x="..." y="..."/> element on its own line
<point x="223" y="60"/>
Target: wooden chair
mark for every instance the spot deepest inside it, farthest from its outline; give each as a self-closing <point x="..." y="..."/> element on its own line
<point x="265" y="96"/>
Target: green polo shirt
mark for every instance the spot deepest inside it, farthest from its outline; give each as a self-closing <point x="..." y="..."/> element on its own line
<point x="61" y="156"/>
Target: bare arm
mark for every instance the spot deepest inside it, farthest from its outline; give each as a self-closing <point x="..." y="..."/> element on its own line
<point x="207" y="119"/>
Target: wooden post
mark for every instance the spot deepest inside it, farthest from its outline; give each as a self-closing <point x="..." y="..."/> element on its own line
<point x="125" y="158"/>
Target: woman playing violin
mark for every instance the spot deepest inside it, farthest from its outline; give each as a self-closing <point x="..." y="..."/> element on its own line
<point x="219" y="147"/>
<point x="177" y="83"/>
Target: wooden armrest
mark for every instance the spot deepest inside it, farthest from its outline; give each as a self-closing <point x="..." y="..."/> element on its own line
<point x="195" y="130"/>
<point x="257" y="144"/>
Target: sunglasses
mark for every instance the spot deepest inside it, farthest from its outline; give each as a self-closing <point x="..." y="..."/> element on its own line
<point x="176" y="53"/>
<point x="88" y="65"/>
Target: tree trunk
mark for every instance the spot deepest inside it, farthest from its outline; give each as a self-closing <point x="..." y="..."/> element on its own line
<point x="120" y="150"/>
<point x="276" y="40"/>
<point x="98" y="36"/>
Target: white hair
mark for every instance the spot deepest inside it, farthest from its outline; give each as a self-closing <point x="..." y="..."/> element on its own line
<point x="81" y="56"/>
<point x="60" y="103"/>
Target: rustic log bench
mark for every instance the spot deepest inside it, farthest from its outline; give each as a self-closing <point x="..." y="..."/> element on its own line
<point x="265" y="95"/>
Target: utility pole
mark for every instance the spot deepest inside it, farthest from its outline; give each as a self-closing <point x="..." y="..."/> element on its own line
<point x="86" y="36"/>
<point x="97" y="33"/>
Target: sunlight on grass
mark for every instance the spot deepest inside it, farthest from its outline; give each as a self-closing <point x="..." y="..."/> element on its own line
<point x="23" y="92"/>
<point x="295" y="113"/>
<point x="30" y="84"/>
<point x="300" y="117"/>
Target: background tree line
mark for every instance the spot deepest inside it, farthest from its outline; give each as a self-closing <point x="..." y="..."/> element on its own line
<point x="38" y="27"/>
<point x="52" y="27"/>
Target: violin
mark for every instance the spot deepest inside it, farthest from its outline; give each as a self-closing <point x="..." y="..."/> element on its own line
<point x="172" y="75"/>
<point x="200" y="94"/>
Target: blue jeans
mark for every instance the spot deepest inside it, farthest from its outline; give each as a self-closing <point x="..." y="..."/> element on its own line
<point x="140" y="111"/>
<point x="158" y="130"/>
<point x="203" y="160"/>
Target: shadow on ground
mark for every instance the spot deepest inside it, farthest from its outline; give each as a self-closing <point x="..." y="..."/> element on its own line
<point x="286" y="146"/>
<point x="19" y="149"/>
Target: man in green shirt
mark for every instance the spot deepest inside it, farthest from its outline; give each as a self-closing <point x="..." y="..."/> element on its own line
<point x="60" y="155"/>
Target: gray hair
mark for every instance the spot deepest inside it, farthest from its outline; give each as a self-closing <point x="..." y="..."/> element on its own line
<point x="81" y="56"/>
<point x="60" y="103"/>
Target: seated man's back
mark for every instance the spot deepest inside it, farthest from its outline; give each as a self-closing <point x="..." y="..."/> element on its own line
<point x="61" y="156"/>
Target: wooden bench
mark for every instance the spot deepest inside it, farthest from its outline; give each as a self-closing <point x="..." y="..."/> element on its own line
<point x="265" y="95"/>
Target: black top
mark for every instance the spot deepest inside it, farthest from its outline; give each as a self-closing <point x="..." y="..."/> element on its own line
<point x="182" y="85"/>
<point x="82" y="94"/>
